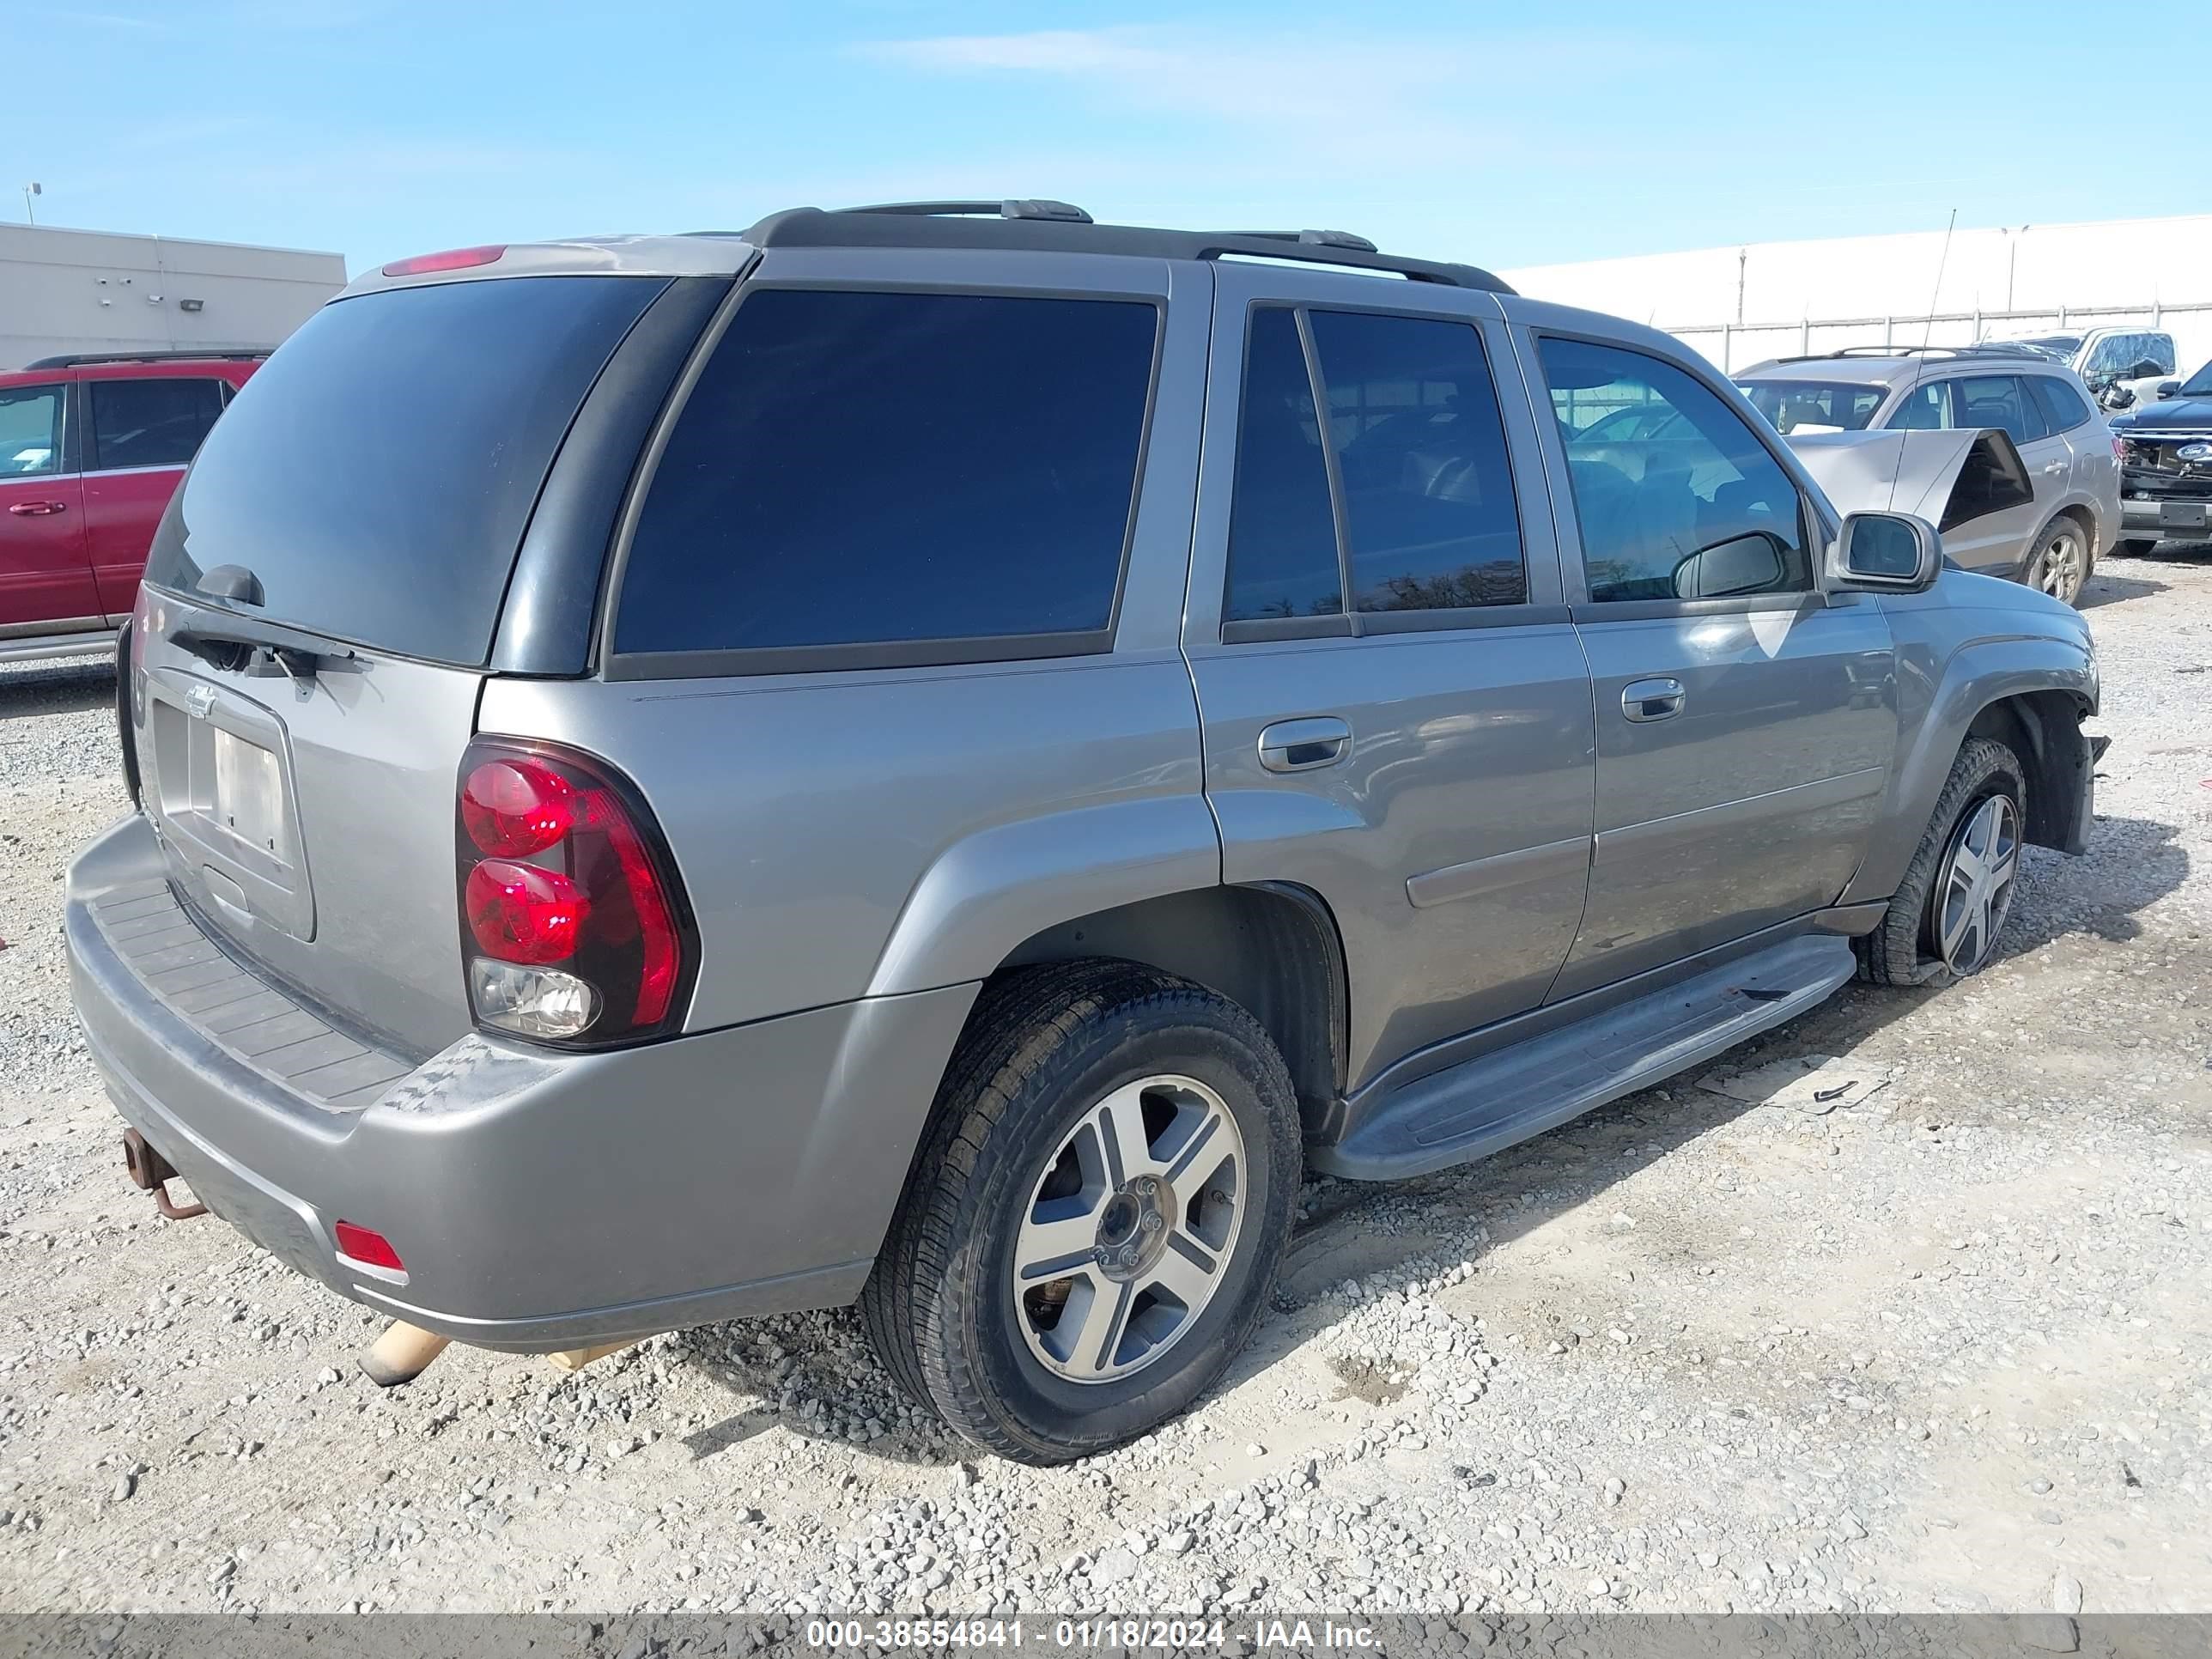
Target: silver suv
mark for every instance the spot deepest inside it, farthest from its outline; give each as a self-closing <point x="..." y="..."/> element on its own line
<point x="2064" y="511"/>
<point x="942" y="757"/>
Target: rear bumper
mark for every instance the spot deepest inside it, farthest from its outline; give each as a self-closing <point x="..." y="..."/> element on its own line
<point x="540" y="1200"/>
<point x="2141" y="519"/>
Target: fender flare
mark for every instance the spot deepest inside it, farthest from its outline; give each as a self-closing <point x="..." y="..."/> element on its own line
<point x="1976" y="676"/>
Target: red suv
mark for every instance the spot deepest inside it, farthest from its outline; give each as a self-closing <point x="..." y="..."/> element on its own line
<point x="91" y="449"/>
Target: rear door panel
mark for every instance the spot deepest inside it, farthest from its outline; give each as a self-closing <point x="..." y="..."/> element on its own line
<point x="1451" y="838"/>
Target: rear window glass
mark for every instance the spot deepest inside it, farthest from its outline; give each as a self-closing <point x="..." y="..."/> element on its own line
<point x="378" y="472"/>
<point x="860" y="468"/>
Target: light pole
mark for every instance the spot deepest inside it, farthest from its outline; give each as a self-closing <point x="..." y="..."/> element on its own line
<point x="30" y="189"/>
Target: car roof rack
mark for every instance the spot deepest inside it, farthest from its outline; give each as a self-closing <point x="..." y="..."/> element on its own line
<point x="1043" y="226"/>
<point x="86" y="359"/>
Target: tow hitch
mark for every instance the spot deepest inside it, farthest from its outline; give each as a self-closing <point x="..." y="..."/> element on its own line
<point x="150" y="1171"/>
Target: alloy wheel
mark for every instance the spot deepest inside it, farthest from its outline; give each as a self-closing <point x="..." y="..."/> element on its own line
<point x="2064" y="566"/>
<point x="1130" y="1229"/>
<point x="1975" y="889"/>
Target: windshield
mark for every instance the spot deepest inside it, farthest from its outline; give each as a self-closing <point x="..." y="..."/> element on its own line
<point x="2199" y="385"/>
<point x="2061" y="346"/>
<point x="1842" y="405"/>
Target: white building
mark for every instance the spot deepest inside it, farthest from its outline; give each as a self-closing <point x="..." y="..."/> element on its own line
<point x="91" y="291"/>
<point x="1738" y="305"/>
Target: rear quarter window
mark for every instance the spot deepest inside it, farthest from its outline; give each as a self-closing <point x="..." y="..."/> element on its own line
<point x="894" y="476"/>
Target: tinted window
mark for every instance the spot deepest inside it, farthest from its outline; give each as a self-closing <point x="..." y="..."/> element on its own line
<point x="1428" y="494"/>
<point x="1703" y="511"/>
<point x="151" y="423"/>
<point x="1282" y="533"/>
<point x="1791" y="404"/>
<point x="377" y="472"/>
<point x="878" y="468"/>
<point x="2063" y="408"/>
<point x="30" y="431"/>
<point x="1926" y="408"/>
<point x="1999" y="400"/>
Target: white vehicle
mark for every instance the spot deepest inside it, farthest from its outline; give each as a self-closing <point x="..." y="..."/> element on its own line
<point x="2121" y="367"/>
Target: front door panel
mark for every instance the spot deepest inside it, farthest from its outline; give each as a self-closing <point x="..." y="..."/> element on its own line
<point x="1748" y="805"/>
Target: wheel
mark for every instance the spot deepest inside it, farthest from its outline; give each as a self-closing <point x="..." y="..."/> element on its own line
<point x="2060" y="564"/>
<point x="2133" y="550"/>
<point x="1096" y="1213"/>
<point x="1950" y="911"/>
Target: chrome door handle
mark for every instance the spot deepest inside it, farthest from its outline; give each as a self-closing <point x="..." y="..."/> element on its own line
<point x="37" y="509"/>
<point x="1652" y="700"/>
<point x="2052" y="469"/>
<point x="1302" y="745"/>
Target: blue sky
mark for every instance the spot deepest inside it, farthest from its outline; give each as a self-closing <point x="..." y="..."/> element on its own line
<point x="1503" y="135"/>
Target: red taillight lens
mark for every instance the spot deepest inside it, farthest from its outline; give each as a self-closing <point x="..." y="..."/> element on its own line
<point x="565" y="881"/>
<point x="2120" y="447"/>
<point x="456" y="258"/>
<point x="519" y="913"/>
<point x="362" y="1244"/>
<point x="513" y="808"/>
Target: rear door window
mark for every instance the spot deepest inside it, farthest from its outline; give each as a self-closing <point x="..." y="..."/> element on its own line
<point x="1282" y="526"/>
<point x="896" y="477"/>
<point x="30" y="431"/>
<point x="1421" y="453"/>
<point x="2001" y="400"/>
<point x="377" y="473"/>
<point x="153" y="422"/>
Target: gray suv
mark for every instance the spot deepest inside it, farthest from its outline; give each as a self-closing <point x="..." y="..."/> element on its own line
<point x="2056" y="508"/>
<point x="942" y="757"/>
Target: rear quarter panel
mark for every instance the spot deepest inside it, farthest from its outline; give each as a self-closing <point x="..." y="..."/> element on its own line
<point x="843" y="834"/>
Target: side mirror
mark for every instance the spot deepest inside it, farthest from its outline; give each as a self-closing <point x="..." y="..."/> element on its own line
<point x="2169" y="389"/>
<point x="1884" y="553"/>
<point x="2115" y="396"/>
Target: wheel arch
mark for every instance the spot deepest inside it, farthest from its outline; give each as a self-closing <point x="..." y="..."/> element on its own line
<point x="1271" y="948"/>
<point x="2031" y="693"/>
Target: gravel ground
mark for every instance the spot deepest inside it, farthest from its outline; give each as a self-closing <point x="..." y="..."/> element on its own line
<point x="1945" y="1347"/>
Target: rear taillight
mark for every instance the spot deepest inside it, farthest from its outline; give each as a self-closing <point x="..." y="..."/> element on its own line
<point x="573" y="928"/>
<point x="455" y="258"/>
<point x="2120" y="447"/>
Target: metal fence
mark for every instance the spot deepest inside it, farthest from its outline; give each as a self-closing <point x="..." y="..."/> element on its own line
<point x="1731" y="345"/>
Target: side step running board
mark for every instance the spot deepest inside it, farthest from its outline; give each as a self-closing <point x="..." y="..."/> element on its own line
<point x="1486" y="1104"/>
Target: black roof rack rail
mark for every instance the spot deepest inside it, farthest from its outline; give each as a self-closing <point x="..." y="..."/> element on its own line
<point x="1034" y="207"/>
<point x="86" y="359"/>
<point x="1050" y="226"/>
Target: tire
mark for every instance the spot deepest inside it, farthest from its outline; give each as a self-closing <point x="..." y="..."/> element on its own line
<point x="2132" y="549"/>
<point x="1052" y="1056"/>
<point x="2061" y="561"/>
<point x="1908" y="948"/>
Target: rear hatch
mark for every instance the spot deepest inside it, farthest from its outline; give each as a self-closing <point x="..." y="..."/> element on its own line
<point x="321" y="603"/>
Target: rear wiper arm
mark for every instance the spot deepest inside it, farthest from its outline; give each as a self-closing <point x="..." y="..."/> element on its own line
<point x="242" y="643"/>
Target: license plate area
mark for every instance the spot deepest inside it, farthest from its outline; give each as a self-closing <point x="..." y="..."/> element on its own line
<point x="2182" y="515"/>
<point x="222" y="797"/>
